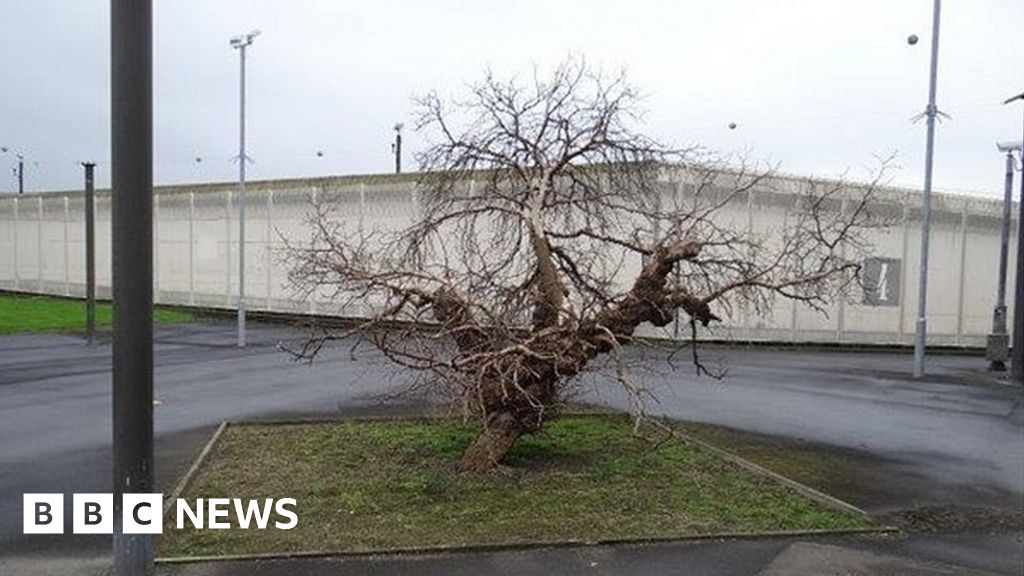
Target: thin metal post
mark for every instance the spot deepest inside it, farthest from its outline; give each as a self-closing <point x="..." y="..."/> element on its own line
<point x="926" y="211"/>
<point x="67" y="250"/>
<point x="40" y="260"/>
<point x="241" y="205"/>
<point x="132" y="257"/>
<point x="242" y="42"/>
<point x="191" y="247"/>
<point x="14" y="242"/>
<point x="21" y="174"/>
<point x="90" y="252"/>
<point x="998" y="340"/>
<point x="397" y="147"/>
<point x="1017" y="352"/>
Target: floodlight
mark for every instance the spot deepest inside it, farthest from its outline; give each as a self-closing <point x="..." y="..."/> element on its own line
<point x="244" y="39"/>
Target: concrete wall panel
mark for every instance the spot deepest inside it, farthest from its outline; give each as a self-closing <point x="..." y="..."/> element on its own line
<point x="196" y="258"/>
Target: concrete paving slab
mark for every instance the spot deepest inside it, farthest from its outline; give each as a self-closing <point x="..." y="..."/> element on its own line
<point x="812" y="559"/>
<point x="719" y="558"/>
<point x="54" y="566"/>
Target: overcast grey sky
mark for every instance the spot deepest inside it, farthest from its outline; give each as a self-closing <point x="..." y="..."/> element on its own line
<point x="819" y="86"/>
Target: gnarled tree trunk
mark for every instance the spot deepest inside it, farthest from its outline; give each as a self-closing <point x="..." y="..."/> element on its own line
<point x="490" y="447"/>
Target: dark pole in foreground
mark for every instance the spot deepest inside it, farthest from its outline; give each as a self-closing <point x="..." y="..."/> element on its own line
<point x="21" y="174"/>
<point x="90" y="252"/>
<point x="131" y="27"/>
<point x="1017" y="350"/>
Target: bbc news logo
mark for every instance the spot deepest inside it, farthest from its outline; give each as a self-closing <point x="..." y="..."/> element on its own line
<point x="144" y="513"/>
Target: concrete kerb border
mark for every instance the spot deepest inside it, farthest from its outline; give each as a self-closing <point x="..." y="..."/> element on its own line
<point x="190" y="474"/>
<point x="553" y="545"/>
<point x="817" y="496"/>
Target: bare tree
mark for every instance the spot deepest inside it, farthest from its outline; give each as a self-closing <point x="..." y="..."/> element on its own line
<point x="549" y="231"/>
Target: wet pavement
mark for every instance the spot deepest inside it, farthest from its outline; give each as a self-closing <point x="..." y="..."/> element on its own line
<point x="955" y="438"/>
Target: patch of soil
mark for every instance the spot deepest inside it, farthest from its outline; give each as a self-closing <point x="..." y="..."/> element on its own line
<point x="957" y="520"/>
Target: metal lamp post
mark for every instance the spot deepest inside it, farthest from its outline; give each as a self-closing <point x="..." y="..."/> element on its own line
<point x="926" y="210"/>
<point x="90" y="250"/>
<point x="396" y="147"/>
<point x="131" y="211"/>
<point x="240" y="43"/>
<point x="19" y="172"/>
<point x="1017" y="355"/>
<point x="998" y="340"/>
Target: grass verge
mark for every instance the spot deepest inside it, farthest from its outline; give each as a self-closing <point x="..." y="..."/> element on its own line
<point x="23" y="313"/>
<point x="381" y="485"/>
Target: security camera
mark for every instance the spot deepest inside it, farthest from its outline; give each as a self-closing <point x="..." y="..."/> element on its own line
<point x="1008" y="146"/>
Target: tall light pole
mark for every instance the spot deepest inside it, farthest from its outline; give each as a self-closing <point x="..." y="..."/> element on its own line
<point x="926" y="210"/>
<point x="1017" y="351"/>
<point x="397" y="148"/>
<point x="240" y="43"/>
<point x="998" y="340"/>
<point x="19" y="171"/>
<point x="131" y="214"/>
<point x="21" y="174"/>
<point x="90" y="250"/>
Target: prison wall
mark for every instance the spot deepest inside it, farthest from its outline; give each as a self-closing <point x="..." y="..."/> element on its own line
<point x="195" y="239"/>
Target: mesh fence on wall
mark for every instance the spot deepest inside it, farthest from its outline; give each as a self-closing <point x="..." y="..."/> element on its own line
<point x="196" y="245"/>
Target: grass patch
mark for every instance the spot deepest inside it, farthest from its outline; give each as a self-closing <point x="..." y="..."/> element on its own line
<point x="20" y="313"/>
<point x="364" y="486"/>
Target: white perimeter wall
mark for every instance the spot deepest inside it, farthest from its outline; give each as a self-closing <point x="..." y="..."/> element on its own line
<point x="42" y="250"/>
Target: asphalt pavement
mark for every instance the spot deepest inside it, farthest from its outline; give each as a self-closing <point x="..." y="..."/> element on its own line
<point x="955" y="437"/>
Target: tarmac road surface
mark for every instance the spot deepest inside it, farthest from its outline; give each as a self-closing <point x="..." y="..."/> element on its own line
<point x="954" y="437"/>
